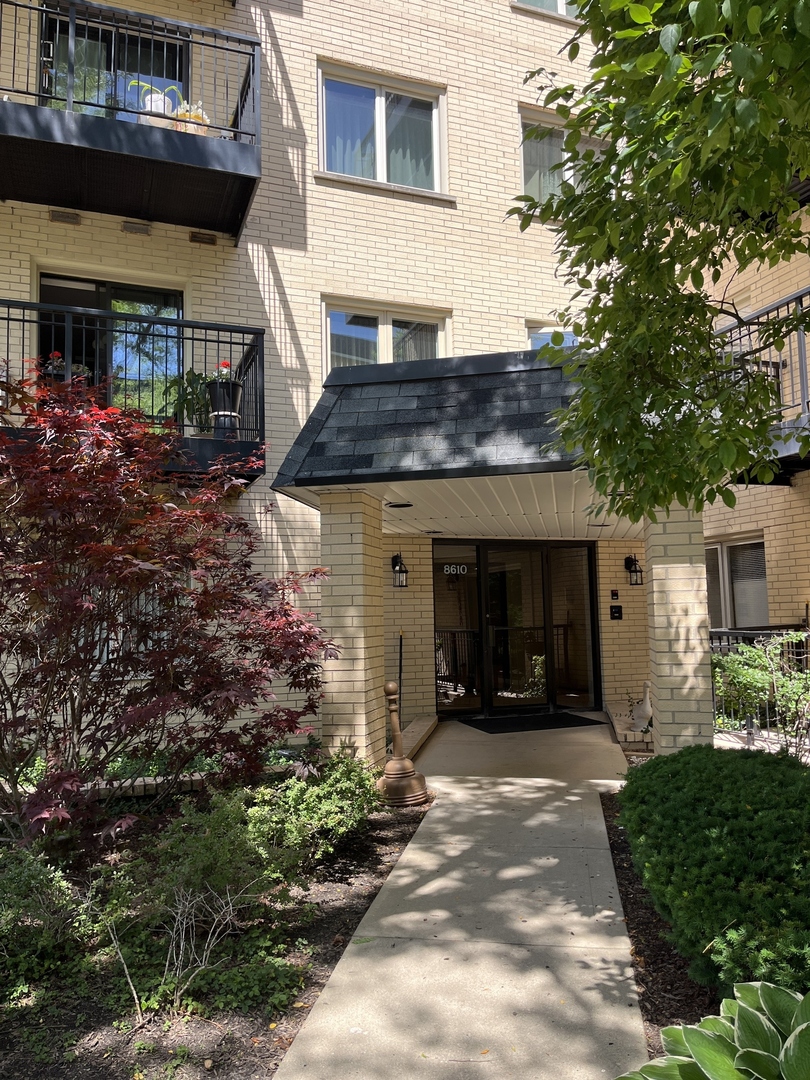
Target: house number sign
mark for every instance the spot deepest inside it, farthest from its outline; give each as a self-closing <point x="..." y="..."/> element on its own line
<point x="455" y="568"/>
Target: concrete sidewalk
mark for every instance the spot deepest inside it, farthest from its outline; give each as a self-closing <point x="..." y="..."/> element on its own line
<point x="496" y="947"/>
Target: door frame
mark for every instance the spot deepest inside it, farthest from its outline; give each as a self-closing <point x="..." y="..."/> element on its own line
<point x="483" y="548"/>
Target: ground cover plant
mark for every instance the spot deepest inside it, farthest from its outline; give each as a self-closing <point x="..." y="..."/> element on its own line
<point x="762" y="1033"/>
<point x="187" y="912"/>
<point x="721" y="840"/>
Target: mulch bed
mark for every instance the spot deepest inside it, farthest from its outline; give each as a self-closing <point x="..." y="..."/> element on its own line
<point x="70" y="1041"/>
<point x="666" y="993"/>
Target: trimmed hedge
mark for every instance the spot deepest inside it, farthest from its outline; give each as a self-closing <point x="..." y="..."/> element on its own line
<point x="721" y="839"/>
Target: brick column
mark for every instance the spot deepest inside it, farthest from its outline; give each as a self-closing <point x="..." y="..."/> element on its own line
<point x="678" y="621"/>
<point x="352" y="613"/>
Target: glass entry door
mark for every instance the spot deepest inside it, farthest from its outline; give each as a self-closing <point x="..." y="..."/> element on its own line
<point x="514" y="626"/>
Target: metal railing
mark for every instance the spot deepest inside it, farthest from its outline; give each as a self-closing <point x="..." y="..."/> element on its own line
<point x="759" y="718"/>
<point x="129" y="67"/>
<point x="754" y="342"/>
<point x="161" y="366"/>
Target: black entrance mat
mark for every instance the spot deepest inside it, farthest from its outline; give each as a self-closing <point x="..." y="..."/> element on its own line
<point x="502" y="725"/>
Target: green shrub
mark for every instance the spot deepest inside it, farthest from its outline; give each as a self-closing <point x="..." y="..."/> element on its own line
<point x="43" y="921"/>
<point x="311" y="816"/>
<point x="721" y="840"/>
<point x="762" y="1033"/>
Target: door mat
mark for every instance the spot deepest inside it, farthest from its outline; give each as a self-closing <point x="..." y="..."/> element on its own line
<point x="503" y="725"/>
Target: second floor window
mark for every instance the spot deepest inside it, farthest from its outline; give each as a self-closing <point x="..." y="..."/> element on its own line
<point x="737" y="584"/>
<point x="379" y="337"/>
<point x="560" y="7"/>
<point x="378" y="133"/>
<point x="542" y="175"/>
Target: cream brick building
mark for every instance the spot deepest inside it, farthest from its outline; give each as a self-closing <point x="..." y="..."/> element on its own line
<point x="281" y="218"/>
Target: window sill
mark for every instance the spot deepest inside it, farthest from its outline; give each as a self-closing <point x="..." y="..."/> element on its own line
<point x="555" y="16"/>
<point x="418" y="194"/>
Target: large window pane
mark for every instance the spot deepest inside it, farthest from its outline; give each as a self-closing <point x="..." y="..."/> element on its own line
<point x="409" y="134"/>
<point x="538" y="159"/>
<point x="350" y="129"/>
<point x="749" y="589"/>
<point x="353" y="339"/>
<point x="415" y="340"/>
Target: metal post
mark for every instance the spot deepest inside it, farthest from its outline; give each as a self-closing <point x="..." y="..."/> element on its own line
<point x="71" y="66"/>
<point x="801" y="344"/>
<point x="400" y="784"/>
<point x="68" y="343"/>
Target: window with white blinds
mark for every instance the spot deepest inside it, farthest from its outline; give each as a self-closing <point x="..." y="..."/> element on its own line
<point x="737" y="584"/>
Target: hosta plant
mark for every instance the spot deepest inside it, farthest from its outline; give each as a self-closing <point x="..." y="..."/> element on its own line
<point x="762" y="1033"/>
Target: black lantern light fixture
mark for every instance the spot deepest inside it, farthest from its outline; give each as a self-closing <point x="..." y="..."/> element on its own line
<point x="400" y="572"/>
<point x="632" y="567"/>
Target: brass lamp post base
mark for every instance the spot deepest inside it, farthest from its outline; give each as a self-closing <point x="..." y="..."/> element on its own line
<point x="400" y="783"/>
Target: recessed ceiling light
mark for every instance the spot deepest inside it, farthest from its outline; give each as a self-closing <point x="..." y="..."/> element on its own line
<point x="398" y="506"/>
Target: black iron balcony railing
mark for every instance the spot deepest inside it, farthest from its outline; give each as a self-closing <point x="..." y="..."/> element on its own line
<point x="118" y="113"/>
<point x="134" y="68"/>
<point x="773" y="341"/>
<point x="204" y="379"/>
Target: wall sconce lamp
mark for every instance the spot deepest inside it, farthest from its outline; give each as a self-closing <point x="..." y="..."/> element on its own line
<point x="634" y="570"/>
<point x="400" y="572"/>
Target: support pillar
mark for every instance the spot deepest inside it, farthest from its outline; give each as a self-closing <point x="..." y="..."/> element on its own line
<point x="353" y="711"/>
<point x="678" y="621"/>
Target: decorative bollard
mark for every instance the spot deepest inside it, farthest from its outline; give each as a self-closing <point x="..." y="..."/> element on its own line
<point x="400" y="783"/>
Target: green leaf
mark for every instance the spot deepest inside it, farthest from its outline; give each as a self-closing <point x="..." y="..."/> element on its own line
<point x="720" y="1025"/>
<point x="780" y="1005"/>
<point x="672" y="1067"/>
<point x="759" y="1063"/>
<point x="670" y="37"/>
<point x="557" y="338"/>
<point x="752" y="1031"/>
<point x="747" y="113"/>
<point x="802" y="1014"/>
<point x="714" y="1054"/>
<point x="727" y="451"/>
<point x="697" y="279"/>
<point x="728" y="497"/>
<point x="754" y="19"/>
<point x="801" y="16"/>
<point x="729" y="1006"/>
<point x="640" y="14"/>
<point x="795" y="1056"/>
<point x="782" y="54"/>
<point x="674" y="1042"/>
<point x="704" y="16"/>
<point x="745" y="62"/>
<point x="647" y="62"/>
<point x="748" y="994"/>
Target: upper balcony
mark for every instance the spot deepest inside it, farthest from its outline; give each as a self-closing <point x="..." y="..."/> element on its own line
<point x="773" y="342"/>
<point x="103" y="110"/>
<point x="204" y="380"/>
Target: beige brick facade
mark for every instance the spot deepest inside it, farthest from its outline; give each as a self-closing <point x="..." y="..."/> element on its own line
<point x="310" y="237"/>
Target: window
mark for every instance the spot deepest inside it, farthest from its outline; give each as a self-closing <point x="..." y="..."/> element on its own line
<point x="136" y="359"/>
<point x="540" y="334"/>
<point x="541" y="176"/>
<point x="560" y="7"/>
<point x="379" y="337"/>
<point x="379" y="132"/>
<point x="737" y="585"/>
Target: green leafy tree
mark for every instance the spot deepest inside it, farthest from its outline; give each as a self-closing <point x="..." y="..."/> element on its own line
<point x="703" y="112"/>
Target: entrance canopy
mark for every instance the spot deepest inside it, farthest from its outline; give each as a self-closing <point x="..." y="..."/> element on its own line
<point x="459" y="447"/>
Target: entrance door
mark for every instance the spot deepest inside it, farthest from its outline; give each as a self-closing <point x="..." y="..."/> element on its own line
<point x="514" y="626"/>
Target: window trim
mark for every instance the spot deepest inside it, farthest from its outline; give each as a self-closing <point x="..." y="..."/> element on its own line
<point x="381" y="82"/>
<point x="558" y="16"/>
<point x="726" y="594"/>
<point x="386" y="313"/>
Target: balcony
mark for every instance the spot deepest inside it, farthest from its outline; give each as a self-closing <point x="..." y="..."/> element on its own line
<point x="102" y="110"/>
<point x="752" y="343"/>
<point x="175" y="371"/>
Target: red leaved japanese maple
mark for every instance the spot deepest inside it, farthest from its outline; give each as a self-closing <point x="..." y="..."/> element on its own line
<point x="131" y="618"/>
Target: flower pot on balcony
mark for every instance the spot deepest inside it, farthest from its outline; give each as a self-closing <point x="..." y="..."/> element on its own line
<point x="226" y="398"/>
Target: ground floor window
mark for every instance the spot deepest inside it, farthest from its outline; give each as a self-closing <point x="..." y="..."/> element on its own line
<point x="514" y="626"/>
<point x="737" y="584"/>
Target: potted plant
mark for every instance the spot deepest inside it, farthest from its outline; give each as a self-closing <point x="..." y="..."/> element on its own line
<point x="156" y="106"/>
<point x="53" y="369"/>
<point x="191" y="118"/>
<point x="190" y="401"/>
<point x="225" y="394"/>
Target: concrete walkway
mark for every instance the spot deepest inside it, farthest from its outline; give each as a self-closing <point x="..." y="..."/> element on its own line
<point x="496" y="948"/>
